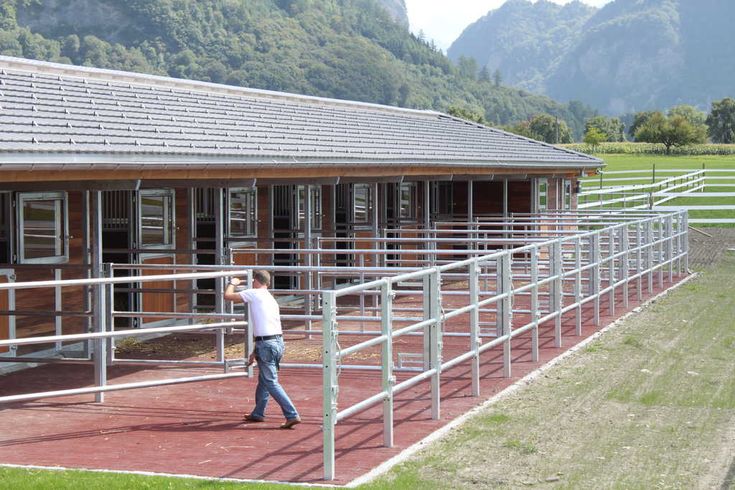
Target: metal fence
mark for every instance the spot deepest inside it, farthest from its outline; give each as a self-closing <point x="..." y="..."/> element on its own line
<point x="660" y="190"/>
<point x="514" y="275"/>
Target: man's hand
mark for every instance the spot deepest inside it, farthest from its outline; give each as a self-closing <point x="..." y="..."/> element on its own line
<point x="251" y="360"/>
<point x="235" y="281"/>
<point x="230" y="293"/>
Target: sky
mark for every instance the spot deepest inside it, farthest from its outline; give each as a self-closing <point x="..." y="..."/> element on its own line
<point x="444" y="20"/>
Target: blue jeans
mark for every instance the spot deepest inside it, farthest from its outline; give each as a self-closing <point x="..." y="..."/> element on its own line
<point x="268" y="353"/>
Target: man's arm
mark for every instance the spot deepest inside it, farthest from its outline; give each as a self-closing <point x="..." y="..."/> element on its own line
<point x="230" y="293"/>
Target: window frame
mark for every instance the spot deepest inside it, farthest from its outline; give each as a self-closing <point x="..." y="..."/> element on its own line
<point x="63" y="221"/>
<point x="369" y="203"/>
<point x="169" y="212"/>
<point x="250" y="212"/>
<point x="411" y="216"/>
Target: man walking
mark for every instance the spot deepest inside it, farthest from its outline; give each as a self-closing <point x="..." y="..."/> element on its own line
<point x="265" y="319"/>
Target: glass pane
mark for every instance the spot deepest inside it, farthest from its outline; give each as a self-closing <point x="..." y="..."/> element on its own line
<point x="362" y="203"/>
<point x="243" y="213"/>
<point x="406" y="201"/>
<point x="43" y="234"/>
<point x="155" y="223"/>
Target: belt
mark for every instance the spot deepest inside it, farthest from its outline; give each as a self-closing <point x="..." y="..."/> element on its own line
<point x="267" y="337"/>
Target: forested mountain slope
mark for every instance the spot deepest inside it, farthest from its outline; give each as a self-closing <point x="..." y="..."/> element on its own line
<point x="350" y="49"/>
<point x="630" y="55"/>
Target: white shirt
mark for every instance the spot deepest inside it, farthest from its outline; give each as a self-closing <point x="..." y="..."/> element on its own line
<point x="265" y="315"/>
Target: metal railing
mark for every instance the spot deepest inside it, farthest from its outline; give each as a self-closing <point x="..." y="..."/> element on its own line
<point x="512" y="279"/>
<point x="532" y="285"/>
<point x="662" y="190"/>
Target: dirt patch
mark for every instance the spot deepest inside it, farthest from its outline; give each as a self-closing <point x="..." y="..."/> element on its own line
<point x="705" y="251"/>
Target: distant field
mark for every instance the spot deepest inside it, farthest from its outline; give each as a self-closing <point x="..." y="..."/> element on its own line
<point x="642" y="162"/>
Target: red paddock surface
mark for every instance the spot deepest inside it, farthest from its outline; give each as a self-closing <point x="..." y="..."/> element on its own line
<point x="197" y="428"/>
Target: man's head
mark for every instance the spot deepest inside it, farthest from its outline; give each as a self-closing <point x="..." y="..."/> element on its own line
<point x="262" y="277"/>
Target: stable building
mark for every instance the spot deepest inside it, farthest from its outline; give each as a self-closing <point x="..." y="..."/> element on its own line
<point x="101" y="166"/>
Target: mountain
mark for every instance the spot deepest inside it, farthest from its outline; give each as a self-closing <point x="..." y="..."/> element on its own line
<point x="630" y="55"/>
<point x="523" y="40"/>
<point x="397" y="9"/>
<point x="350" y="49"/>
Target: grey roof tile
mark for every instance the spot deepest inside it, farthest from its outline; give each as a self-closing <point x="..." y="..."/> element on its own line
<point x="87" y="112"/>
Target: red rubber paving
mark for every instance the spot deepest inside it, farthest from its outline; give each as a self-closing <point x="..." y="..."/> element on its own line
<point x="196" y="428"/>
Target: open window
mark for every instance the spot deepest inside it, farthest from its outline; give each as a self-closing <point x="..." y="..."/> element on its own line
<point x="43" y="225"/>
<point x="243" y="214"/>
<point x="407" y="201"/>
<point x="157" y="223"/>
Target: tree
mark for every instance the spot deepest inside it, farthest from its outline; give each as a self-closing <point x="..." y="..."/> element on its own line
<point x="639" y="119"/>
<point x="497" y="77"/>
<point x="466" y="113"/>
<point x="669" y="131"/>
<point x="610" y="127"/>
<point x="544" y="127"/>
<point x="594" y="137"/>
<point x="721" y="121"/>
<point x="484" y="74"/>
<point x="467" y="67"/>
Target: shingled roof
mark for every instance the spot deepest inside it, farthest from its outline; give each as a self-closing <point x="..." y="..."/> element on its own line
<point x="49" y="112"/>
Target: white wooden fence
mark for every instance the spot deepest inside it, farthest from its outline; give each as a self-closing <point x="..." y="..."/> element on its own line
<point x="664" y="187"/>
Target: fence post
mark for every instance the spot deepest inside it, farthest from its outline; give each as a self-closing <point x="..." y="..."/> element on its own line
<point x="436" y="343"/>
<point x="649" y="253"/>
<point x="660" y="255"/>
<point x="578" y="284"/>
<point x="475" y="326"/>
<point x="639" y="259"/>
<point x="556" y="289"/>
<point x="595" y="279"/>
<point x="670" y="245"/>
<point x="685" y="241"/>
<point x="625" y="267"/>
<point x="534" y="303"/>
<point x="505" y="308"/>
<point x="329" y="384"/>
<point x="611" y="270"/>
<point x="98" y="298"/>
<point x="386" y="323"/>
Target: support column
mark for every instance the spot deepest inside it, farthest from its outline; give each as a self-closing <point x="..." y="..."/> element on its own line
<point x="556" y="289"/>
<point x="595" y="275"/>
<point x="436" y="343"/>
<point x="98" y="301"/>
<point x="534" y="303"/>
<point x="475" y="326"/>
<point x="307" y="245"/>
<point x="505" y="309"/>
<point x="470" y="202"/>
<point x="219" y="246"/>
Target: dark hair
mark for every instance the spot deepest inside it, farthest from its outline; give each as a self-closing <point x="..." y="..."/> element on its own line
<point x="262" y="277"/>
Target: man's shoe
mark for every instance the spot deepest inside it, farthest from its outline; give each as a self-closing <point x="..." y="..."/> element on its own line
<point x="290" y="423"/>
<point x="251" y="418"/>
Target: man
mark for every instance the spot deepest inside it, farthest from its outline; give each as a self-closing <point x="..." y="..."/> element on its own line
<point x="265" y="319"/>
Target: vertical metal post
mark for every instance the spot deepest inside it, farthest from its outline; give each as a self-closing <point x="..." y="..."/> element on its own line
<point x="625" y="246"/>
<point x="534" y="304"/>
<point x="386" y="322"/>
<point x="191" y="224"/>
<point x="307" y="245"/>
<point x="578" y="284"/>
<point x="58" y="308"/>
<point x="505" y="198"/>
<point x="329" y="379"/>
<point x="219" y="245"/>
<point x="595" y="275"/>
<point x="427" y="313"/>
<point x="86" y="260"/>
<point x="250" y="333"/>
<point x="611" y="270"/>
<point x="98" y="304"/>
<point x="505" y="309"/>
<point x="660" y="254"/>
<point x="556" y="289"/>
<point x="639" y="259"/>
<point x="670" y="246"/>
<point x="685" y="241"/>
<point x="470" y="202"/>
<point x="649" y="253"/>
<point x="475" y="326"/>
<point x="436" y="343"/>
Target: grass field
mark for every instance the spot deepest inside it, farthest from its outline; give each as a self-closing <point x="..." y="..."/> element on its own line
<point x="651" y="404"/>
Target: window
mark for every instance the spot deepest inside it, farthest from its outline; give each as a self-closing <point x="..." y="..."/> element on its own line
<point x="567" y="186"/>
<point x="243" y="213"/>
<point x="542" y="198"/>
<point x="316" y="206"/>
<point x="43" y="225"/>
<point x="407" y="201"/>
<point x="362" y="204"/>
<point x="442" y="200"/>
<point x="157" y="218"/>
